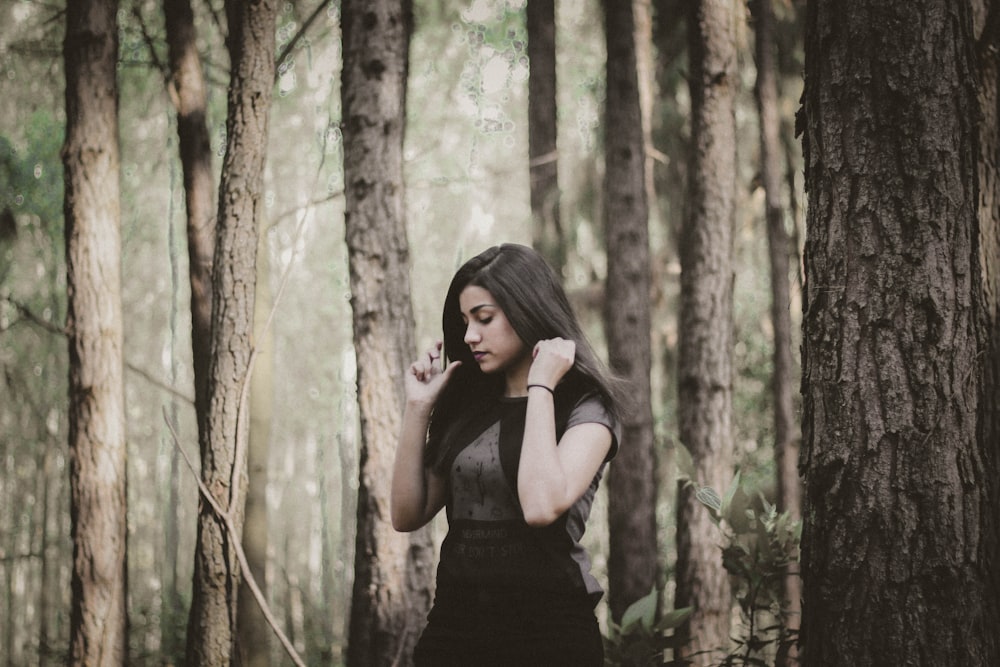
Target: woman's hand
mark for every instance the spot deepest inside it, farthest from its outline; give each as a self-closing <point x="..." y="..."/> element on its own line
<point x="552" y="359"/>
<point x="425" y="378"/>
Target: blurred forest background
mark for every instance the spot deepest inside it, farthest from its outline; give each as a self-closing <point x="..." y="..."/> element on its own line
<point x="466" y="170"/>
<point x="467" y="188"/>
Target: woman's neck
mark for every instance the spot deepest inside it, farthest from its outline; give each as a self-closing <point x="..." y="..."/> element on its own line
<point x="517" y="378"/>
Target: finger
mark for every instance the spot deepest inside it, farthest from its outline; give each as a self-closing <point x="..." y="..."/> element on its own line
<point x="447" y="373"/>
<point x="434" y="353"/>
<point x="416" y="371"/>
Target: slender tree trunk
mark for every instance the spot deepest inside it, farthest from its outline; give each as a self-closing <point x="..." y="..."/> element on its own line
<point x="705" y="366"/>
<point x="10" y="540"/>
<point x="547" y="232"/>
<point x="254" y="632"/>
<point x="632" y="560"/>
<point x="327" y="605"/>
<point x="347" y="451"/>
<point x="171" y="603"/>
<point x="786" y="439"/>
<point x="642" y="12"/>
<point x="45" y="569"/>
<point x="97" y="442"/>
<point x="188" y="93"/>
<point x="900" y="534"/>
<point x="211" y="624"/>
<point x="393" y="572"/>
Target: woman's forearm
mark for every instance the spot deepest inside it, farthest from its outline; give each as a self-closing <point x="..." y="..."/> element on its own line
<point x="408" y="502"/>
<point x="541" y="481"/>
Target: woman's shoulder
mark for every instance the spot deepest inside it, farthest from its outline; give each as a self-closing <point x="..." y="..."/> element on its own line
<point x="591" y="407"/>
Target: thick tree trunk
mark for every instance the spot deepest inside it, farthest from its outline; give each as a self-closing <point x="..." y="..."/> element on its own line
<point x="543" y="158"/>
<point x="786" y="437"/>
<point x="211" y="624"/>
<point x="705" y="367"/>
<point x="633" y="553"/>
<point x="392" y="572"/>
<point x="986" y="27"/>
<point x="187" y="91"/>
<point x="900" y="526"/>
<point x="97" y="439"/>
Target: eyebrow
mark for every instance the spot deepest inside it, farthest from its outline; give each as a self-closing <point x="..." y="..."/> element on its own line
<point x="475" y="309"/>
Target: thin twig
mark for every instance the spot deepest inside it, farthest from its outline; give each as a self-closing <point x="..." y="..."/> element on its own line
<point x="227" y="520"/>
<point x="148" y="377"/>
<point x="295" y="39"/>
<point x="29" y="315"/>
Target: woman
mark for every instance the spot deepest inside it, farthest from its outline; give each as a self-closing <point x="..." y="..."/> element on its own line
<point x="511" y="437"/>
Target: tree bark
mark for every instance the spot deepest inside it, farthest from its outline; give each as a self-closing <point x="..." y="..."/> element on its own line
<point x="187" y="91"/>
<point x="899" y="543"/>
<point x="705" y="366"/>
<point x="986" y="28"/>
<point x="392" y="572"/>
<point x="211" y="624"/>
<point x="786" y="438"/>
<point x="543" y="156"/>
<point x="97" y="438"/>
<point x="633" y="553"/>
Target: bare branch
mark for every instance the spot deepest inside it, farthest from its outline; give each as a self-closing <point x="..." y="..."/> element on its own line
<point x="285" y="52"/>
<point x="146" y="375"/>
<point x="30" y="315"/>
<point x="227" y="520"/>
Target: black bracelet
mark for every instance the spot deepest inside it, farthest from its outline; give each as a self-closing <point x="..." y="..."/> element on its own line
<point x="548" y="389"/>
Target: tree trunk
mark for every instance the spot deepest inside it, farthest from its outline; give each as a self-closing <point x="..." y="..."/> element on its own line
<point x="393" y="574"/>
<point x="171" y="602"/>
<point x="986" y="26"/>
<point x="899" y="542"/>
<point x="786" y="439"/>
<point x="97" y="441"/>
<point x="543" y="158"/>
<point x="254" y="632"/>
<point x="10" y="546"/>
<point x="187" y="91"/>
<point x="327" y="604"/>
<point x="45" y="565"/>
<point x="632" y="558"/>
<point x="642" y="14"/>
<point x="211" y="624"/>
<point x="705" y="366"/>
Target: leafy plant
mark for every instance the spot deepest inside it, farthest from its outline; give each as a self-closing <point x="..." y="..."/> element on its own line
<point x="641" y="638"/>
<point x="760" y="546"/>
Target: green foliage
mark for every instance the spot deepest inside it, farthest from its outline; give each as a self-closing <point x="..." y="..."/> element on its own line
<point x="31" y="176"/>
<point x="642" y="638"/>
<point x="760" y="544"/>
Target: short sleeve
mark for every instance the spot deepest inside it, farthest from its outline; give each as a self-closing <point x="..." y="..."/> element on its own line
<point x="591" y="410"/>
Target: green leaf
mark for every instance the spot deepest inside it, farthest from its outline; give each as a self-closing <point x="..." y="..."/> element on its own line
<point x="684" y="462"/>
<point x="709" y="497"/>
<point x="730" y="494"/>
<point x="673" y="619"/>
<point x="640" y="613"/>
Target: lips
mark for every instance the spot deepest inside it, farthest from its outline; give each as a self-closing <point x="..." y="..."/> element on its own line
<point x="478" y="356"/>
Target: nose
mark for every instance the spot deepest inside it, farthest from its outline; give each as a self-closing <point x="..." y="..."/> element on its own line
<point x="471" y="334"/>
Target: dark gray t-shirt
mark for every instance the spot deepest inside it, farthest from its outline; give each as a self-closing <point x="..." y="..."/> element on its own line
<point x="489" y="545"/>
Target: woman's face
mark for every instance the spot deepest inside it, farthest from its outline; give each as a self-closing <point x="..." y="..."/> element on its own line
<point x="495" y="345"/>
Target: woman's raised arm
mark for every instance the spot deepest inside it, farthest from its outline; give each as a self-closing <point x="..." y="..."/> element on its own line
<point x="418" y="493"/>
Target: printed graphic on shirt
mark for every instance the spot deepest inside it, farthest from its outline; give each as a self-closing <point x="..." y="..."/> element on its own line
<point x="479" y="490"/>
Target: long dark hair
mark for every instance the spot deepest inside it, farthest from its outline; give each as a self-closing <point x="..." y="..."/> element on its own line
<point x="530" y="295"/>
